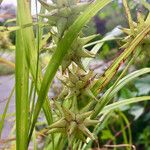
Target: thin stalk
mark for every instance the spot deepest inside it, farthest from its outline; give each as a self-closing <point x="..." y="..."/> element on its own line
<point x="5" y="111"/>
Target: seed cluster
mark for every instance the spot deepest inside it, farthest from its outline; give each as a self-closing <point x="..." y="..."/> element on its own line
<point x="61" y="14"/>
<point x="77" y="84"/>
<point x="72" y="121"/>
<point x="137" y="28"/>
<point x="74" y="125"/>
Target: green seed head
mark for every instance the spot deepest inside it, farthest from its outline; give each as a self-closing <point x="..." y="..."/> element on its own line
<point x="77" y="83"/>
<point x="74" y="124"/>
<point x="138" y="27"/>
<point x="62" y="13"/>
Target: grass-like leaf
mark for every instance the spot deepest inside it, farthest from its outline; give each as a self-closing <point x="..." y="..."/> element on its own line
<point x="113" y="68"/>
<point x="122" y="103"/>
<point x="5" y="111"/>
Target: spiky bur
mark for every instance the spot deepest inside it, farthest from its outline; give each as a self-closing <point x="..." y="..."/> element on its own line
<point x="77" y="52"/>
<point x="77" y="83"/>
<point x="61" y="14"/>
<point x="73" y="124"/>
<point x="4" y="40"/>
<point x="135" y="28"/>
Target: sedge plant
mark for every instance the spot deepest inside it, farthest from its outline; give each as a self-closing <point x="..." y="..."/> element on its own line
<point x="74" y="116"/>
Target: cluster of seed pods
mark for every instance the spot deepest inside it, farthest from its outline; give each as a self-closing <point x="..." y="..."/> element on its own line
<point x="71" y="121"/>
<point x="135" y="29"/>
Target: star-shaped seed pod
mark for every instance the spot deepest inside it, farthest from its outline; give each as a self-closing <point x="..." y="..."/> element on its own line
<point x="77" y="83"/>
<point x="73" y="124"/>
<point x="77" y="52"/>
<point x="135" y="29"/>
<point x="62" y="13"/>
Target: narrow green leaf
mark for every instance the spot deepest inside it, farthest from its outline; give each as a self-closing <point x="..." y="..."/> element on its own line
<point x="113" y="68"/>
<point x="22" y="101"/>
<point x="5" y="111"/>
<point x="122" y="103"/>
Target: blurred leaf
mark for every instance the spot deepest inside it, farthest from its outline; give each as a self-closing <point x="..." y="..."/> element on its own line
<point x="143" y="85"/>
<point x="127" y="93"/>
<point x="119" y="104"/>
<point x="106" y="134"/>
<point x="136" y="111"/>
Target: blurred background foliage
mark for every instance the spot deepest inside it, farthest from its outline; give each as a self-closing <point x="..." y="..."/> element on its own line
<point x="116" y="130"/>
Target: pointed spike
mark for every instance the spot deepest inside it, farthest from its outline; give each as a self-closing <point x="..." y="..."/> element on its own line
<point x="68" y="114"/>
<point x="62" y="94"/>
<point x="126" y="31"/>
<point x="63" y="79"/>
<point x="65" y="64"/>
<point x="83" y="116"/>
<point x="87" y="39"/>
<point x="47" y="6"/>
<point x="127" y="39"/>
<point x="129" y="17"/>
<point x="125" y="45"/>
<point x="89" y="122"/>
<point x="86" y="131"/>
<point x="85" y="53"/>
<point x="51" y="15"/>
<point x="56" y="130"/>
<point x="74" y="67"/>
<point x="89" y="106"/>
<point x="89" y="93"/>
<point x="58" y="124"/>
<point x="58" y="106"/>
<point x="70" y="94"/>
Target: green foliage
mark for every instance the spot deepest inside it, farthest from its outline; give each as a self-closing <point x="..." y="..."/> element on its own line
<point x="77" y="116"/>
<point x="143" y="85"/>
